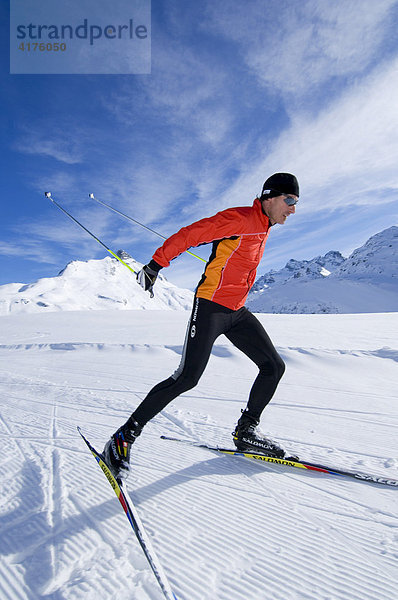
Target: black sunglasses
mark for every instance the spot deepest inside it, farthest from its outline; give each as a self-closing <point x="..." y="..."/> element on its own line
<point x="290" y="201"/>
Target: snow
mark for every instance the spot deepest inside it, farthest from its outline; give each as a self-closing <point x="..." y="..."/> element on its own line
<point x="366" y="281"/>
<point x="104" y="284"/>
<point x="223" y="527"/>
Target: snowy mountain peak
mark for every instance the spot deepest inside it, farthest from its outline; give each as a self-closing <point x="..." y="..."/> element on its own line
<point x="92" y="285"/>
<point x="377" y="257"/>
<point x="318" y="267"/>
<point x="125" y="256"/>
<point x="366" y="281"/>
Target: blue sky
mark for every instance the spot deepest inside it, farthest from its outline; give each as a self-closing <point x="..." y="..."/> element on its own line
<point x="238" y="90"/>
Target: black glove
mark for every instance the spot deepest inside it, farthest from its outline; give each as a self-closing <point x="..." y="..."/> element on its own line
<point x="147" y="276"/>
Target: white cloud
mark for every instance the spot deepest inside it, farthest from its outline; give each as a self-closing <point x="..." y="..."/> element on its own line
<point x="60" y="151"/>
<point x="61" y="144"/>
<point x="292" y="47"/>
<point x="345" y="154"/>
<point x="56" y="181"/>
<point x="189" y="94"/>
<point x="28" y="250"/>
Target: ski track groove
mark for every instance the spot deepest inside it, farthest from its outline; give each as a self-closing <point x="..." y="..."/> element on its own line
<point x="224" y="511"/>
<point x="333" y="493"/>
<point x="362" y="420"/>
<point x="354" y="516"/>
<point x="98" y="526"/>
<point x="51" y="490"/>
<point x="334" y="391"/>
<point x="274" y="539"/>
<point x="307" y="544"/>
<point x="11" y="586"/>
<point x="365" y="560"/>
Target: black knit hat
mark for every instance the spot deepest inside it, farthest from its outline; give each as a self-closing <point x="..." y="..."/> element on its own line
<point x="285" y="183"/>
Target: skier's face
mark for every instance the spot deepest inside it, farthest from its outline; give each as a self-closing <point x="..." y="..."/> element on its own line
<point x="277" y="210"/>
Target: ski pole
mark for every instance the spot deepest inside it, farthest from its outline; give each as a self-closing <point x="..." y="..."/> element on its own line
<point x="140" y="224"/>
<point x="48" y="195"/>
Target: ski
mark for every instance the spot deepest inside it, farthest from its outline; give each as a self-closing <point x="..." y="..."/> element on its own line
<point x="299" y="464"/>
<point x="134" y="520"/>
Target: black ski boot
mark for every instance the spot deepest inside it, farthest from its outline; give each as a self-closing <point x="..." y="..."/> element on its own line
<point x="116" y="452"/>
<point x="248" y="439"/>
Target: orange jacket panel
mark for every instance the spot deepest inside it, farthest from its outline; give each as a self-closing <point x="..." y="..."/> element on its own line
<point x="239" y="235"/>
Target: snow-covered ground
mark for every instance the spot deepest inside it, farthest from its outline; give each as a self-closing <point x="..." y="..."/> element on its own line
<point x="223" y="527"/>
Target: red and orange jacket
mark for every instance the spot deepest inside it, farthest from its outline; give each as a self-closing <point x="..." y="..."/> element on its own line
<point x="238" y="236"/>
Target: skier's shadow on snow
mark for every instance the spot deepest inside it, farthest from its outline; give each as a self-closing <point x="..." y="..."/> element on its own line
<point x="219" y="465"/>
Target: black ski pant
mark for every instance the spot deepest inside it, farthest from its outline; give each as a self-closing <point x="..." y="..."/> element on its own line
<point x="208" y="321"/>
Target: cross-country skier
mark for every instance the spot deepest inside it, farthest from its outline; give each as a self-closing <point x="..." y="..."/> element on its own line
<point x="238" y="236"/>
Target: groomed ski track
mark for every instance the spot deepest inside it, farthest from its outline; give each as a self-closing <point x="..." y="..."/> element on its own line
<point x="224" y="528"/>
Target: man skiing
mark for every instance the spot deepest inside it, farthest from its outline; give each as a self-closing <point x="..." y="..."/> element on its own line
<point x="238" y="236"/>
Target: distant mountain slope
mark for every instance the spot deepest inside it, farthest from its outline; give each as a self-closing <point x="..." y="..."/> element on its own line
<point x="305" y="270"/>
<point x="366" y="281"/>
<point x="92" y="285"/>
<point x="376" y="259"/>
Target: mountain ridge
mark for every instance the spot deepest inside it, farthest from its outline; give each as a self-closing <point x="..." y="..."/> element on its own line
<point x="92" y="285"/>
<point x="366" y="281"/>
